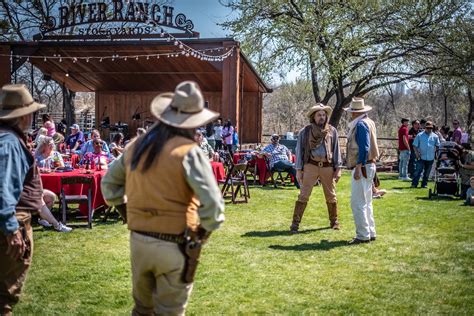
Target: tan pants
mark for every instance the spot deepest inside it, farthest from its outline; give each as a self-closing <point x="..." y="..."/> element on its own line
<point x="13" y="272"/>
<point x="156" y="277"/>
<point x="311" y="174"/>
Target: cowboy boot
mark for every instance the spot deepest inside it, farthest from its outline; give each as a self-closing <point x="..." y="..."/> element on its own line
<point x="297" y="216"/>
<point x="332" y="211"/>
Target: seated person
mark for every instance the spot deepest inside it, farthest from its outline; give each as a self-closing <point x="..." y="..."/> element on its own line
<point x="97" y="156"/>
<point x="75" y="140"/>
<point x="116" y="146"/>
<point x="205" y="147"/>
<point x="470" y="194"/>
<point x="46" y="156"/>
<point x="42" y="132"/>
<point x="46" y="218"/>
<point x="445" y="162"/>
<point x="280" y="157"/>
<point x="88" y="146"/>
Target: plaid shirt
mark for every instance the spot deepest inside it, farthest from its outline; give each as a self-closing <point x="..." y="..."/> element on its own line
<point x="278" y="152"/>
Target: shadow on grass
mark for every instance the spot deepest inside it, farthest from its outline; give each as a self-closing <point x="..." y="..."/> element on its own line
<point x="323" y="245"/>
<point x="273" y="233"/>
<point x="439" y="197"/>
<point x="402" y="188"/>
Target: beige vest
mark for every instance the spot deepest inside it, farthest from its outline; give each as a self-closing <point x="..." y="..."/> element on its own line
<point x="353" y="148"/>
<point x="159" y="199"/>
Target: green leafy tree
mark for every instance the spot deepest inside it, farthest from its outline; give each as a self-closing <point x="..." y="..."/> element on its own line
<point x="352" y="47"/>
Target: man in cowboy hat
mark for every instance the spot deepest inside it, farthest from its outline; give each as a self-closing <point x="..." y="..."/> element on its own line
<point x="21" y="192"/>
<point x="318" y="156"/>
<point x="168" y="185"/>
<point x="362" y="151"/>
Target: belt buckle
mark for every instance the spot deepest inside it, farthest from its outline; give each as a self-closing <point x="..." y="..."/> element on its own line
<point x="320" y="164"/>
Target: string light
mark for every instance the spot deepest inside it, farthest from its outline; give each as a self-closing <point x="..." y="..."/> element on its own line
<point x="185" y="50"/>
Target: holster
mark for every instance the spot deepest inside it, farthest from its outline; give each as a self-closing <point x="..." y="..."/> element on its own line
<point x="26" y="240"/>
<point x="192" y="251"/>
<point x="122" y="209"/>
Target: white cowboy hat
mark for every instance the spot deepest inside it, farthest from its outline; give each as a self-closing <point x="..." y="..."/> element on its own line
<point x="358" y="106"/>
<point x="16" y="101"/>
<point x="319" y="107"/>
<point x="184" y="108"/>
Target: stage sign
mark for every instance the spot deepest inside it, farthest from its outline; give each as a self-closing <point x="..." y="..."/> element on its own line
<point x="114" y="19"/>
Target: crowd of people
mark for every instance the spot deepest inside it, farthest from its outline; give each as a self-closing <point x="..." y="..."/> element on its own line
<point x="171" y="216"/>
<point x="419" y="154"/>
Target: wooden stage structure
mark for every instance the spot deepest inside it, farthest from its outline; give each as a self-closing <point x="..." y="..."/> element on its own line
<point x="125" y="86"/>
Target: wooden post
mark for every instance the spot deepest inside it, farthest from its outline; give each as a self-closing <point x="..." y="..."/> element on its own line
<point x="5" y="65"/>
<point x="231" y="85"/>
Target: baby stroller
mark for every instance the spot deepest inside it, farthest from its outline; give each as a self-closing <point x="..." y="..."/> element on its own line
<point x="447" y="177"/>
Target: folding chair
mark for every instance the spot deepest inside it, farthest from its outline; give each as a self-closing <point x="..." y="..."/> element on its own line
<point x="279" y="179"/>
<point x="236" y="183"/>
<point x="77" y="199"/>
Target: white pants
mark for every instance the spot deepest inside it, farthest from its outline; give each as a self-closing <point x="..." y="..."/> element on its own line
<point x="361" y="204"/>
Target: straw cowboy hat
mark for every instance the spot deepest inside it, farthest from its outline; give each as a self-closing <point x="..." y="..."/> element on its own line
<point x="358" y="106"/>
<point x="184" y="108"/>
<point x="16" y="101"/>
<point x="319" y="107"/>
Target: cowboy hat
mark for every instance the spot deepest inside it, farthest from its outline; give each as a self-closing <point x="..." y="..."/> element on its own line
<point x="358" y="106"/>
<point x="184" y="108"/>
<point x="319" y="107"/>
<point x="16" y="101"/>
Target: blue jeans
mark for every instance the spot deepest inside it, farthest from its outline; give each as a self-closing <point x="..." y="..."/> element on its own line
<point x="425" y="167"/>
<point x="287" y="166"/>
<point x="403" y="166"/>
<point x="411" y="164"/>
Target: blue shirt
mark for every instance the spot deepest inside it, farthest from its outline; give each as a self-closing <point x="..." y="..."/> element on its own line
<point x="88" y="147"/>
<point x="426" y="145"/>
<point x="14" y="165"/>
<point x="278" y="152"/>
<point x="362" y="138"/>
<point x="72" y="139"/>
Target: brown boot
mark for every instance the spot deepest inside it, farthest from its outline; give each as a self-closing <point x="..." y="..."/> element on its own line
<point x="297" y="216"/>
<point x="332" y="211"/>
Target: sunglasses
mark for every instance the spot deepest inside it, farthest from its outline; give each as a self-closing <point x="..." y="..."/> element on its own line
<point x="97" y="143"/>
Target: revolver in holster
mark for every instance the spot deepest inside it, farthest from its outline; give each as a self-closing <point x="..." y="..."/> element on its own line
<point x="191" y="249"/>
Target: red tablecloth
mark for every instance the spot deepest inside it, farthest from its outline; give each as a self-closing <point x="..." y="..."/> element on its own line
<point x="52" y="182"/>
<point x="218" y="170"/>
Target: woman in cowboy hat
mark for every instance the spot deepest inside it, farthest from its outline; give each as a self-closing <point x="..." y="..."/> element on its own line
<point x="362" y="151"/>
<point x="318" y="156"/>
<point x="168" y="184"/>
<point x="21" y="192"/>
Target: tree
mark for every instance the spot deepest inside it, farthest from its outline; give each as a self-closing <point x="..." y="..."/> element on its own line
<point x="352" y="47"/>
<point x="20" y="20"/>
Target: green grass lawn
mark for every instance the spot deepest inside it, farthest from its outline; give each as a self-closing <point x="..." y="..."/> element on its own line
<point x="421" y="263"/>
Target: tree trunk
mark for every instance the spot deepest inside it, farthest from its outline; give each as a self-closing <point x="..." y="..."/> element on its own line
<point x="68" y="105"/>
<point x="314" y="80"/>
<point x="470" y="114"/>
<point x="445" y="99"/>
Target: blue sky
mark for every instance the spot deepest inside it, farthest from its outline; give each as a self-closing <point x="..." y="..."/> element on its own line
<point x="205" y="15"/>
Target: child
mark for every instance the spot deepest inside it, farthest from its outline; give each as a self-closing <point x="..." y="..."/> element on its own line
<point x="470" y="193"/>
<point x="444" y="161"/>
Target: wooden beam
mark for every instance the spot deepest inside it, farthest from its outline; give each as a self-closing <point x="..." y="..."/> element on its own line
<point x="5" y="65"/>
<point x="231" y="86"/>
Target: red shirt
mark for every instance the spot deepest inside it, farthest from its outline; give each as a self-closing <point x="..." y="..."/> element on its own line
<point x="403" y="131"/>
